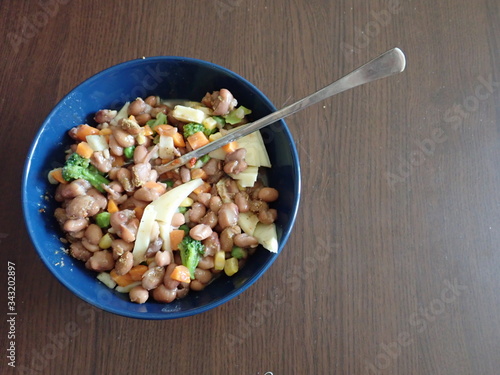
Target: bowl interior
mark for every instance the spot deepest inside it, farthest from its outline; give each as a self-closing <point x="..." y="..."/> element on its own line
<point x="170" y="78"/>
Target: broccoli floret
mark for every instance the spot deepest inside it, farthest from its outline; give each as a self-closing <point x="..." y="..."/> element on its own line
<point x="191" y="251"/>
<point x="193" y="127"/>
<point x="79" y="167"/>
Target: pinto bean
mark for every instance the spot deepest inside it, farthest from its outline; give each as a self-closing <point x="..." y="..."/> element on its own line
<point x="155" y="111"/>
<point x="268" y="216"/>
<point x="93" y="234"/>
<point x="154" y="247"/>
<point x="138" y="294"/>
<point x="245" y="240"/>
<point x="78" y="251"/>
<point x="196" y="285"/>
<point x="101" y="261"/>
<point x="178" y="219"/>
<point x="206" y="262"/>
<point x="125" y="178"/>
<point x="140" y="153"/>
<point x="125" y="224"/>
<point x="200" y="232"/>
<point x="202" y="275"/>
<point x="223" y="103"/>
<point x="122" y="137"/>
<point x="90" y="247"/>
<point x="185" y="174"/>
<point x="228" y="215"/>
<point x="164" y="295"/>
<point x="241" y="200"/>
<point x="212" y="244"/>
<point x="137" y="107"/>
<point x="114" y="147"/>
<point x="227" y="238"/>
<point x="60" y="215"/>
<point x="105" y="115"/>
<point x="268" y="194"/>
<point x="167" y="280"/>
<point x="100" y="199"/>
<point x="196" y="212"/>
<point x="75" y="188"/>
<point x="204" y="198"/>
<point x="146" y="194"/>
<point x="124" y="263"/>
<point x="152" y="100"/>
<point x="103" y="164"/>
<point x="163" y="258"/>
<point x="210" y="219"/>
<point x="235" y="161"/>
<point x="141" y="173"/>
<point x="143" y="118"/>
<point x="120" y="247"/>
<point x="215" y="203"/>
<point x="75" y="225"/>
<point x="212" y="167"/>
<point x="257" y="206"/>
<point x="153" y="277"/>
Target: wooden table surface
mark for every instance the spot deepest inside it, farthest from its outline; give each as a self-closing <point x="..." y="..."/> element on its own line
<point x="400" y="182"/>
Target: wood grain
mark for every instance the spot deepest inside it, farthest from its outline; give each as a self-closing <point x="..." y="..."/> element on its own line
<point x="393" y="264"/>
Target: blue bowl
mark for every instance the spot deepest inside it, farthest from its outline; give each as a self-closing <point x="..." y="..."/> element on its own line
<point x="170" y="78"/>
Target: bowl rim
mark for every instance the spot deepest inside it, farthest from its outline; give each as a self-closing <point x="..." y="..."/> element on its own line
<point x="154" y="315"/>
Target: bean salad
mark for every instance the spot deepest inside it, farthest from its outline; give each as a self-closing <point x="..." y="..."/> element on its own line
<point x="158" y="234"/>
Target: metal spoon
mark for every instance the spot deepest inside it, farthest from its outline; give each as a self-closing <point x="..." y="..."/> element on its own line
<point x="387" y="64"/>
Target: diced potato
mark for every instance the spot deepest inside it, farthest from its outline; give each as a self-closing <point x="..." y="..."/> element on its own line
<point x="209" y="123"/>
<point x="187" y="114"/>
<point x="267" y="236"/>
<point x="248" y="222"/>
<point x="247" y="177"/>
<point x="105" y="278"/>
<point x="128" y="288"/>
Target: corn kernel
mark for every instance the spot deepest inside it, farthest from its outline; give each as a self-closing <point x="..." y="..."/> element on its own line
<point x="231" y="266"/>
<point x="209" y="123"/>
<point x="219" y="260"/>
<point x="105" y="242"/>
<point x="215" y="136"/>
<point x="187" y="202"/>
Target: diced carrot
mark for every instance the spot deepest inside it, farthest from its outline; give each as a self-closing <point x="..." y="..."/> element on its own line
<point x="198" y="173"/>
<point x="138" y="211"/>
<point x="118" y="161"/>
<point x="167" y="130"/>
<point x="57" y="175"/>
<point x="230" y="147"/>
<point x="159" y="188"/>
<point x="147" y="130"/>
<point x="105" y="131"/>
<point x="84" y="150"/>
<point x="83" y="130"/>
<point x="178" y="140"/>
<point x="197" y="140"/>
<point x="203" y="188"/>
<point x="136" y="272"/>
<point x="181" y="274"/>
<point x="176" y="237"/>
<point x="112" y="207"/>
<point x="122" y="280"/>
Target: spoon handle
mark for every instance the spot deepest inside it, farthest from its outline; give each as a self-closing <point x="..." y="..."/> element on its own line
<point x="387" y="64"/>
